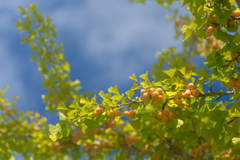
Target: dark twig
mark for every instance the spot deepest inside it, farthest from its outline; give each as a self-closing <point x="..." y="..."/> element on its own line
<point x="234" y="118"/>
<point x="230" y="61"/>
<point x="218" y="98"/>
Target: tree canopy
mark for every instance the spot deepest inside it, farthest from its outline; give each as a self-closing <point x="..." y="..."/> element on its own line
<point x="172" y="116"/>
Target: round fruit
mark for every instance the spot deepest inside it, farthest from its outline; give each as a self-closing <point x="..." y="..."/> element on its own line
<point x="126" y="113"/>
<point x="187" y="93"/>
<point x="181" y="95"/>
<point x="146" y="96"/>
<point x="165" y="119"/>
<point x="228" y="85"/>
<point x="237" y="89"/>
<point x="231" y="23"/>
<point x="142" y="91"/>
<point x="195" y="92"/>
<point x="118" y="113"/>
<point x="237" y="82"/>
<point x="171" y="115"/>
<point x="236" y="13"/>
<point x="132" y="114"/>
<point x="99" y="110"/>
<point x="150" y="91"/>
<point x="160" y="115"/>
<point x="208" y="33"/>
<point x="112" y="113"/>
<point x="232" y="81"/>
<point x="159" y="90"/>
<point x="159" y="98"/>
<point x="190" y="86"/>
<point x="155" y="94"/>
<point x="166" y="112"/>
<point x="95" y="113"/>
<point x="210" y="29"/>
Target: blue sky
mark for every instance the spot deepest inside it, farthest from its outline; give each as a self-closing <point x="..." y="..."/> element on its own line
<point x="105" y="42"/>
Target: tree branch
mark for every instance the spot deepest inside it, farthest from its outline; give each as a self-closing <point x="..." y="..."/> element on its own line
<point x="234" y="118"/>
<point x="238" y="3"/>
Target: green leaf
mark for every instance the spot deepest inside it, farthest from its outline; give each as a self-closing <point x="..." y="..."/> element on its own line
<point x="175" y="123"/>
<point x="5" y="88"/>
<point x="34" y="47"/>
<point x="185" y="2"/>
<point x="91" y="123"/>
<point x="235" y="140"/>
<point x="183" y="70"/>
<point x="187" y="34"/>
<point x="19" y="24"/>
<point x="113" y="89"/>
<point x="53" y="129"/>
<point x="23" y="40"/>
<point x="205" y="133"/>
<point x="136" y="124"/>
<point x="33" y="58"/>
<point x="61" y="106"/>
<point x="83" y="101"/>
<point x="133" y="77"/>
<point x="129" y="93"/>
<point x="184" y="28"/>
<point x="101" y="94"/>
<point x="66" y="66"/>
<point x="117" y="97"/>
<point x="74" y="104"/>
<point x="170" y="72"/>
<point x="135" y="86"/>
<point x="32" y="7"/>
<point x="144" y="76"/>
<point x="54" y="132"/>
<point x="170" y="2"/>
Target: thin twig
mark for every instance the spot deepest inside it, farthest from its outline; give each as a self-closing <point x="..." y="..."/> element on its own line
<point x="234" y="118"/>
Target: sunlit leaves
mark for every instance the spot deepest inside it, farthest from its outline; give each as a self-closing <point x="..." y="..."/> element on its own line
<point x="136" y="124"/>
<point x="170" y="72"/>
<point x="61" y="106"/>
<point x="133" y="77"/>
<point x="135" y="86"/>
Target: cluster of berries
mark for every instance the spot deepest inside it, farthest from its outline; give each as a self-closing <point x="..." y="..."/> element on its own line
<point x="129" y="114"/>
<point x="212" y="43"/>
<point x="165" y="115"/>
<point x="232" y="21"/>
<point x="155" y="93"/>
<point x="97" y="111"/>
<point x="196" y="151"/>
<point x="112" y="114"/>
<point x="109" y="124"/>
<point x="234" y="83"/>
<point x="189" y="93"/>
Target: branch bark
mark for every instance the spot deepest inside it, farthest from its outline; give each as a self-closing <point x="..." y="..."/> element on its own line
<point x="238" y="3"/>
